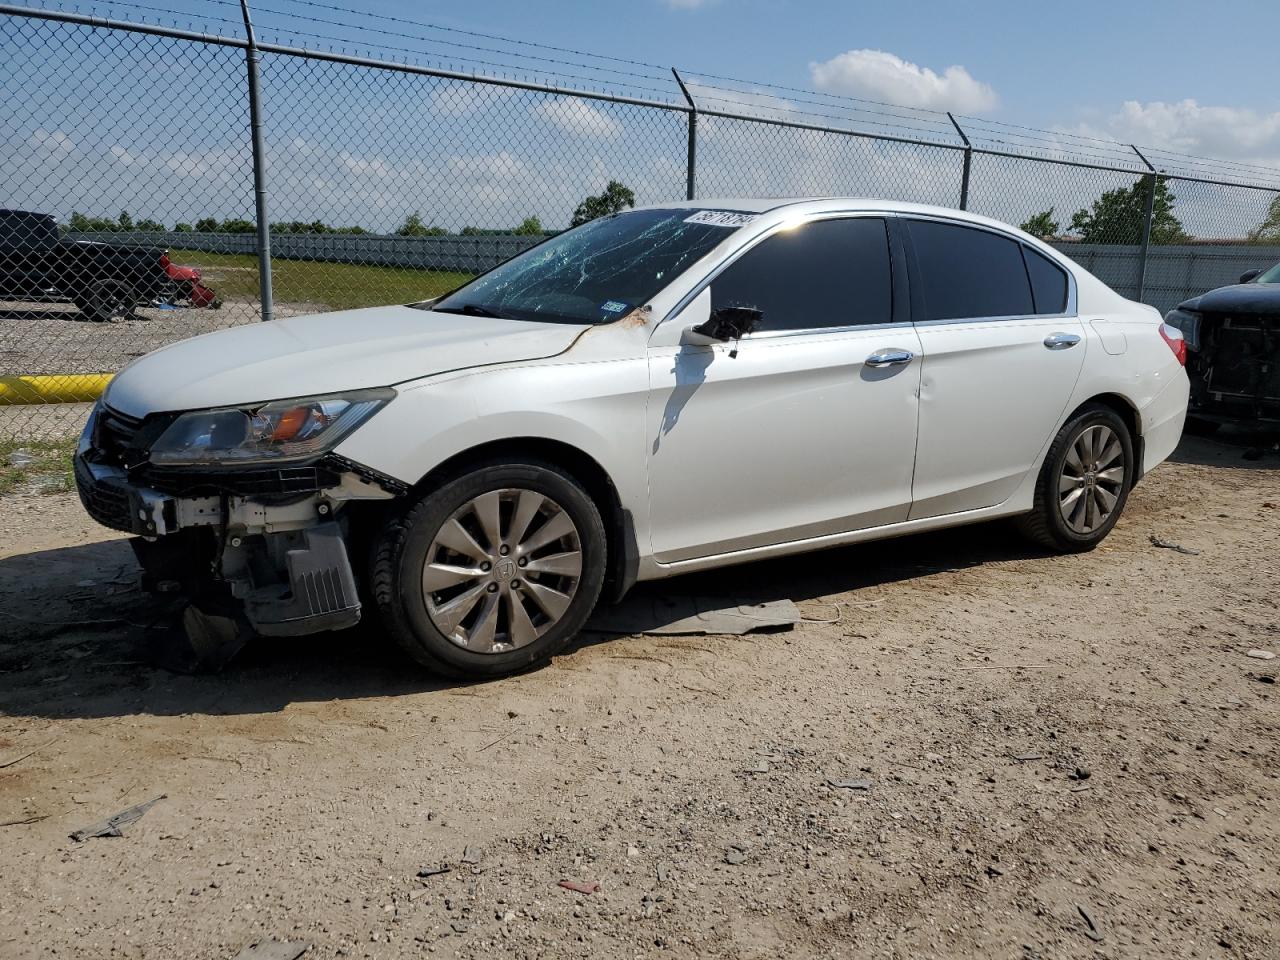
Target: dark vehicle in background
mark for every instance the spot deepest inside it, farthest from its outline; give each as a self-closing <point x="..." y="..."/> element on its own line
<point x="106" y="281"/>
<point x="1232" y="337"/>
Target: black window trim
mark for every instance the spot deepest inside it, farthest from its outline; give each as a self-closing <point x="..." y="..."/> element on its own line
<point x="899" y="274"/>
<point x="1071" y="311"/>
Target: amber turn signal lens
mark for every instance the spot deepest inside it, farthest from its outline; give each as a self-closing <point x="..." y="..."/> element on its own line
<point x="290" y="422"/>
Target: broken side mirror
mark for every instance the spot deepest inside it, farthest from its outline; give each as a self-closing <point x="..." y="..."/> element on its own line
<point x="724" y="325"/>
<point x="1249" y="276"/>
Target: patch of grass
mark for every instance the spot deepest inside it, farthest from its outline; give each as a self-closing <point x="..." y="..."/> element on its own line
<point x="338" y="286"/>
<point x="43" y="466"/>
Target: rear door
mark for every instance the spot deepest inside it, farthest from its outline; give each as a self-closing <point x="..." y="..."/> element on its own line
<point x="1002" y="352"/>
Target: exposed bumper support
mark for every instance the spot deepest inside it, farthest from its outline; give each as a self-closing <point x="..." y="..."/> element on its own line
<point x="283" y="563"/>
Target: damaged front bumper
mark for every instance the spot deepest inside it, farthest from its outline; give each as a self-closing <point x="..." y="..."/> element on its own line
<point x="270" y="544"/>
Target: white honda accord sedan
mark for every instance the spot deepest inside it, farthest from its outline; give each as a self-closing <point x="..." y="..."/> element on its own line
<point x="667" y="389"/>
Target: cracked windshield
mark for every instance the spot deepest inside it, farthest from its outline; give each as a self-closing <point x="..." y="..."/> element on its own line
<point x="598" y="272"/>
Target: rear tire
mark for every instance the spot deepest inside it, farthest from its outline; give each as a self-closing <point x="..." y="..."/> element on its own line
<point x="1084" y="482"/>
<point x="493" y="571"/>
<point x="108" y="301"/>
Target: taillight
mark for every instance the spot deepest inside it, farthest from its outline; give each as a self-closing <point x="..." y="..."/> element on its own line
<point x="1173" y="337"/>
<point x="164" y="260"/>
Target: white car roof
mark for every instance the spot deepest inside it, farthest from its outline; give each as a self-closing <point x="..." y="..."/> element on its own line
<point x="820" y="204"/>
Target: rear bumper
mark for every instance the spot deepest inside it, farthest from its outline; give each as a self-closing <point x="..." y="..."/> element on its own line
<point x="1162" y="422"/>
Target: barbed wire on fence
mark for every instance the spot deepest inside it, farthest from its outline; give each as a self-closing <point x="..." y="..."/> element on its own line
<point x="128" y="177"/>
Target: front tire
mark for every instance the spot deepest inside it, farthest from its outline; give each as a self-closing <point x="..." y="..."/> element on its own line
<point x="492" y="572"/>
<point x="1084" y="482"/>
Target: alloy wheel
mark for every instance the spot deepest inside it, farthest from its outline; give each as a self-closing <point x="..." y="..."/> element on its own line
<point x="1092" y="478"/>
<point x="502" y="570"/>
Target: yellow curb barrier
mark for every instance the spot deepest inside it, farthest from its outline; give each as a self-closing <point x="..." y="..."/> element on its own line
<point x="53" y="388"/>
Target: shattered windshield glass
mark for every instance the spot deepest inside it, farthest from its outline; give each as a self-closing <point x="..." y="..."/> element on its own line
<point x="597" y="272"/>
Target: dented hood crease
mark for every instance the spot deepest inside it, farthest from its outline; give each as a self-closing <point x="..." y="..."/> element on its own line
<point x="325" y="353"/>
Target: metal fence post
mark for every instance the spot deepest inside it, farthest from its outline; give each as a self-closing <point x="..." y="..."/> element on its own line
<point x="968" y="161"/>
<point x="1147" y="216"/>
<point x="692" y="168"/>
<point x="251" y="57"/>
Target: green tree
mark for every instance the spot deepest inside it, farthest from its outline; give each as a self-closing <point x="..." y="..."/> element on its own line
<point x="125" y="222"/>
<point x="1042" y="225"/>
<point x="206" y="225"/>
<point x="1268" y="231"/>
<point x="182" y="228"/>
<point x="414" y="227"/>
<point x="150" y="226"/>
<point x="529" y="227"/>
<point x="616" y="197"/>
<point x="79" y="223"/>
<point x="1117" y="216"/>
<point x="238" y="226"/>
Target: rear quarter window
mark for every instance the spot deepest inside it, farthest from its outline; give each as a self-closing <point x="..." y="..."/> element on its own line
<point x="1048" y="282"/>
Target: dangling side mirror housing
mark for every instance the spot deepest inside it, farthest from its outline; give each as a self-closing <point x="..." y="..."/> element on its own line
<point x="724" y="325"/>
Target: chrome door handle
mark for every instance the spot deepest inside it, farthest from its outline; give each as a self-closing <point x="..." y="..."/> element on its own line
<point x="1061" y="341"/>
<point x="889" y="358"/>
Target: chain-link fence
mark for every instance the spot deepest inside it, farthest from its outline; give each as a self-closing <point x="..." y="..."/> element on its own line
<point x="128" y="187"/>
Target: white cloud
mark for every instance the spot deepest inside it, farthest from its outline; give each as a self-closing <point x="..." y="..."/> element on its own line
<point x="55" y="142"/>
<point x="1236" y="133"/>
<point x="878" y="75"/>
<point x="577" y="117"/>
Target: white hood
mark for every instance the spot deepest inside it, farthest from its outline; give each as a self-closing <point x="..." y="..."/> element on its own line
<point x="325" y="353"/>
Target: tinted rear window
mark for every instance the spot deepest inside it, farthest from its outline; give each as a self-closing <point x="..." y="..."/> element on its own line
<point x="1048" y="282"/>
<point x="966" y="273"/>
<point x="829" y="273"/>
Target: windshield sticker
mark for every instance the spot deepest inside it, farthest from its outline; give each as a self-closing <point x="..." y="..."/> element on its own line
<point x="721" y="218"/>
<point x="613" y="306"/>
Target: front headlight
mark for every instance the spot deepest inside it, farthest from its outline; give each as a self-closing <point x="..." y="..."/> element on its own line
<point x="1188" y="322"/>
<point x="267" y="433"/>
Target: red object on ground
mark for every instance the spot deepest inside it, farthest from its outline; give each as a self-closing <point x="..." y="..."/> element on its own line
<point x="579" y="887"/>
<point x="200" y="295"/>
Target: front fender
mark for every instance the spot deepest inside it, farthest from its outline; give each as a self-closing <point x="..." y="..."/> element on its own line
<point x="596" y="407"/>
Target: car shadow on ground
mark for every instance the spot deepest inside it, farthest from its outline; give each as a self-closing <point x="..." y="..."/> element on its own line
<point x="53" y="312"/>
<point x="1232" y="445"/>
<point x="78" y="638"/>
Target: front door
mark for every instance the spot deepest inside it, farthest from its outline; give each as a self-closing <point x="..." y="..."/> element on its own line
<point x="796" y="436"/>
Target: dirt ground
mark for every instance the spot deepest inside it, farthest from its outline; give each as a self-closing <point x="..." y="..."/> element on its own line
<point x="1043" y="737"/>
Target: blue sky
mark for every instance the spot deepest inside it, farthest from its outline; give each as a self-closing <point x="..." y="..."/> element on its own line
<point x="1048" y="62"/>
<point x="1177" y="74"/>
<point x="355" y="146"/>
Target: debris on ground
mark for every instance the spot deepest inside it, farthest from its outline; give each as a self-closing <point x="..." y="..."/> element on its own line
<point x="1260" y="654"/>
<point x="676" y="615"/>
<point x="850" y="784"/>
<point x="434" y="871"/>
<point x="1170" y="545"/>
<point x="1093" y="933"/>
<point x="273" y="950"/>
<point x="579" y="886"/>
<point x="470" y="855"/>
<point x="30" y="753"/>
<point x="1026" y="757"/>
<point x="114" y="825"/>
